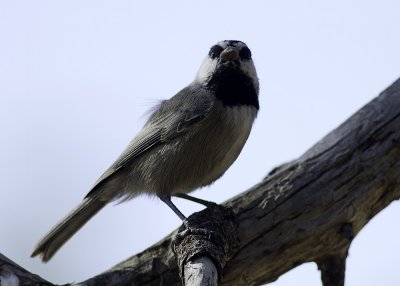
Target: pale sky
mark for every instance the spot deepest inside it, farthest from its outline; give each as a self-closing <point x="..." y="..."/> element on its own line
<point x="77" y="78"/>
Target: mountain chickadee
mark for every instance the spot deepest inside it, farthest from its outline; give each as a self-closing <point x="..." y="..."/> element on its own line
<point x="188" y="142"/>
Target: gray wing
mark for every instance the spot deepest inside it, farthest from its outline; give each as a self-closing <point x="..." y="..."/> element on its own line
<point x="172" y="118"/>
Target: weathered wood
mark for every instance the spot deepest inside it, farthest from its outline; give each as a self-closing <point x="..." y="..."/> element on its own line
<point x="307" y="210"/>
<point x="200" y="271"/>
<point x="332" y="269"/>
<point x="302" y="212"/>
<point x="12" y="274"/>
<point x="205" y="244"/>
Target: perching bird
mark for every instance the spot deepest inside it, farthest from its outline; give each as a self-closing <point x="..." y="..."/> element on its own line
<point x="188" y="142"/>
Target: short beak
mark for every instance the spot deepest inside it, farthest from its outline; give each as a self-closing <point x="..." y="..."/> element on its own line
<point x="230" y="54"/>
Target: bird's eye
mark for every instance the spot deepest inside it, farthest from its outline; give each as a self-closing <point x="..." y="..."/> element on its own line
<point x="215" y="51"/>
<point x="245" y="53"/>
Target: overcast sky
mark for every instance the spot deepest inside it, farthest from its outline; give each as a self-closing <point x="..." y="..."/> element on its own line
<point x="77" y="78"/>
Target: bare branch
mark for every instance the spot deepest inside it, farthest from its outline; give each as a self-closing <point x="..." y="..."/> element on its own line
<point x="200" y="271"/>
<point x="13" y="274"/>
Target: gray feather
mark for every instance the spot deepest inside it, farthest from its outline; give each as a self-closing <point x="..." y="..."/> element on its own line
<point x="50" y="243"/>
<point x="165" y="124"/>
<point x="162" y="127"/>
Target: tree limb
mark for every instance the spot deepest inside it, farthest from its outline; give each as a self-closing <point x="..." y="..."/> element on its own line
<point x="307" y="210"/>
<point x="12" y="274"/>
<point x="200" y="271"/>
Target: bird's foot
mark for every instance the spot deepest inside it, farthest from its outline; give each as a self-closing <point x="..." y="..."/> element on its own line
<point x="190" y="230"/>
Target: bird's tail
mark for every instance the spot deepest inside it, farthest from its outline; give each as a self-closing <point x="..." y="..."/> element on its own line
<point x="63" y="231"/>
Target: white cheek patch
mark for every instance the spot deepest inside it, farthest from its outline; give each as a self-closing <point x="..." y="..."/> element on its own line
<point x="206" y="69"/>
<point x="209" y="66"/>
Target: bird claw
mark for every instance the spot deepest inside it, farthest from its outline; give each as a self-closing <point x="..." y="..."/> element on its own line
<point x="189" y="230"/>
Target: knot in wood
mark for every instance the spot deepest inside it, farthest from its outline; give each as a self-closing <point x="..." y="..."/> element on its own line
<point x="211" y="233"/>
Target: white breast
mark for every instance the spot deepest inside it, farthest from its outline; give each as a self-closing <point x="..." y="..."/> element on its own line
<point x="242" y="119"/>
<point x="239" y="119"/>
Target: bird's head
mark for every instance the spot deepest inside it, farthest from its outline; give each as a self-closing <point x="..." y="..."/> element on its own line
<point x="229" y="70"/>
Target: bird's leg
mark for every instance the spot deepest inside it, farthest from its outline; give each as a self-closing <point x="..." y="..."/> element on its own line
<point x="189" y="229"/>
<point x="169" y="203"/>
<point x="196" y="200"/>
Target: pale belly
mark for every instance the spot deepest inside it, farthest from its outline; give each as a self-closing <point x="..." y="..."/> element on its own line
<point x="186" y="164"/>
<point x="220" y="153"/>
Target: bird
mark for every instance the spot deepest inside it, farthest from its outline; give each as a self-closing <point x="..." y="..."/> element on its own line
<point x="188" y="142"/>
